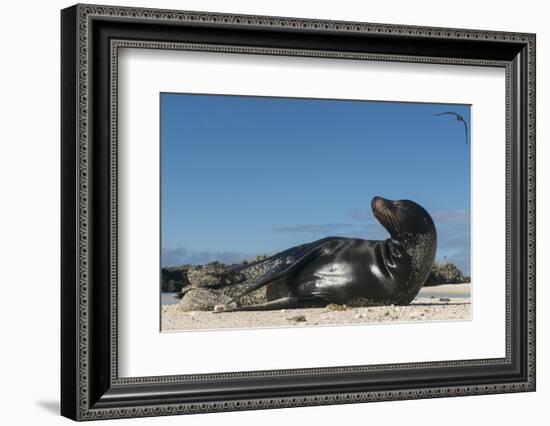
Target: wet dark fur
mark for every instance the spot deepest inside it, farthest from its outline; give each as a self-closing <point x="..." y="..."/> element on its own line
<point x="350" y="270"/>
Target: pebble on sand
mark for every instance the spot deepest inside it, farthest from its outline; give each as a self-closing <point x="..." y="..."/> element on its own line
<point x="298" y="318"/>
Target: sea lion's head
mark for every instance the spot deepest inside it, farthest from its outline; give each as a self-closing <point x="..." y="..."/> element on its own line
<point x="403" y="219"/>
<point x="413" y="241"/>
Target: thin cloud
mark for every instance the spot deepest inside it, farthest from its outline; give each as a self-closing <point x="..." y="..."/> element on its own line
<point x="360" y="215"/>
<point x="452" y="215"/>
<point x="314" y="228"/>
<point x="367" y="234"/>
<point x="184" y="256"/>
<point x="453" y="229"/>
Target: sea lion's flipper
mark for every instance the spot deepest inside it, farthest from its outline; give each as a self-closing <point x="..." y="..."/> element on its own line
<point x="289" y="302"/>
<point x="282" y="273"/>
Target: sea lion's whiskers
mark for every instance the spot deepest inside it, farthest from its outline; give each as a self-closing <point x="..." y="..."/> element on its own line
<point x="391" y="218"/>
<point x="395" y="222"/>
<point x="385" y="214"/>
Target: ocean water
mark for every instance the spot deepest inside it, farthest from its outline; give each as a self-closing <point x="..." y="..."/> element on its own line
<point x="167" y="299"/>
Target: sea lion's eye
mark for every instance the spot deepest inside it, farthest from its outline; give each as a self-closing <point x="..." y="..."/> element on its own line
<point x="401" y="206"/>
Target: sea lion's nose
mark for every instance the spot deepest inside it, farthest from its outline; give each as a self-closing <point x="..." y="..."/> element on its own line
<point x="377" y="202"/>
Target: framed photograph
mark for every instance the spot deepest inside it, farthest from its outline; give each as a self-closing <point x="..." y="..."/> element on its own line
<point x="263" y="212"/>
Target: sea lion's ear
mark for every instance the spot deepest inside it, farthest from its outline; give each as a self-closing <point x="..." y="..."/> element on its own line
<point x="395" y="248"/>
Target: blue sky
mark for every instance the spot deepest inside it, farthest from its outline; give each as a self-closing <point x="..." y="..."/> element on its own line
<point x="242" y="176"/>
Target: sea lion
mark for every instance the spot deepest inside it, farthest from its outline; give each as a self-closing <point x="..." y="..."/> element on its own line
<point x="351" y="270"/>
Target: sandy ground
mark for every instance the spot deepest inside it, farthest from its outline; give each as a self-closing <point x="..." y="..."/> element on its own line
<point x="441" y="303"/>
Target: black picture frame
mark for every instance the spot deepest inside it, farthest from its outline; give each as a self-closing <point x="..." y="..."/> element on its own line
<point x="90" y="386"/>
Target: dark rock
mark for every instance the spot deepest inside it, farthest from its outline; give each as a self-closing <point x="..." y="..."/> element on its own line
<point x="214" y="275"/>
<point x="173" y="279"/>
<point x="445" y="273"/>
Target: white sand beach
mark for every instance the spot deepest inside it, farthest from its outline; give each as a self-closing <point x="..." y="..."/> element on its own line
<point x="449" y="302"/>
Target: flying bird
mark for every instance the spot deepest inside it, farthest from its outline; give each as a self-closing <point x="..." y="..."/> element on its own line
<point x="458" y="118"/>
